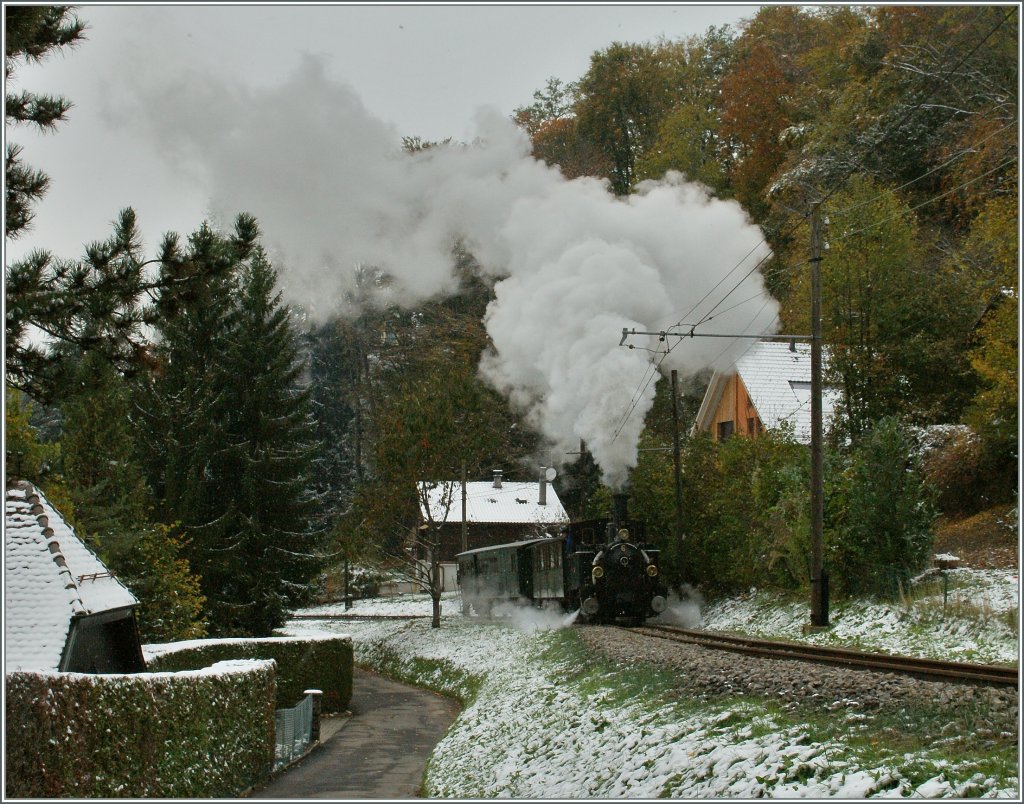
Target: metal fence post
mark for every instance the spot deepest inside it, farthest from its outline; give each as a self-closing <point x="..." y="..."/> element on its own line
<point x="316" y="695"/>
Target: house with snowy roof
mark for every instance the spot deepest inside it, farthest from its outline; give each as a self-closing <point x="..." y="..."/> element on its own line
<point x="63" y="609"/>
<point x="768" y="388"/>
<point x="497" y="511"/>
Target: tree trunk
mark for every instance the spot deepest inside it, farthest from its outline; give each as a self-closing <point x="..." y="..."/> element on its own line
<point x="435" y="588"/>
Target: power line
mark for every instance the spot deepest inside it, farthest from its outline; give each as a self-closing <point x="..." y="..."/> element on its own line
<point x="886" y="135"/>
<point x="857" y="163"/>
<point x="926" y="174"/>
<point x="907" y="211"/>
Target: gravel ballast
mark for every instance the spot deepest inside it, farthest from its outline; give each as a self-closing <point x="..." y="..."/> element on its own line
<point x="708" y="673"/>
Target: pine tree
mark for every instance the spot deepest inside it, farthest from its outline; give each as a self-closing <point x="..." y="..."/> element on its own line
<point x="111" y="504"/>
<point x="334" y="357"/>
<point x="228" y="436"/>
<point x="30" y="34"/>
<point x="98" y="446"/>
<point x="270" y="508"/>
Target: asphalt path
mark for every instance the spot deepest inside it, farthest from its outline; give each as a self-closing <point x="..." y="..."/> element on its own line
<point x="379" y="752"/>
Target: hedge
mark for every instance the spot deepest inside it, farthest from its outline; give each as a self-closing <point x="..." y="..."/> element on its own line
<point x="323" y="663"/>
<point x="202" y="734"/>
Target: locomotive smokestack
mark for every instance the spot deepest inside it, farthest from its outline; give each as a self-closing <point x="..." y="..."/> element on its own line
<point x="620" y="509"/>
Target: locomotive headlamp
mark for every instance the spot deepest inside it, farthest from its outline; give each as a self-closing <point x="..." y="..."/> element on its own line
<point x="652" y="570"/>
<point x="597" y="572"/>
<point x="623" y="534"/>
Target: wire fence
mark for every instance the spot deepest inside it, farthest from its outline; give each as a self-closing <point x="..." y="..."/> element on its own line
<point x="293" y="731"/>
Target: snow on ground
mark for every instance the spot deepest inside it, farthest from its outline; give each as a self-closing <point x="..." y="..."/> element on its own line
<point x="974" y="619"/>
<point x="531" y="729"/>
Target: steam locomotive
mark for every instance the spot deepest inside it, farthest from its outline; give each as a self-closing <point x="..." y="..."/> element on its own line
<point x="602" y="568"/>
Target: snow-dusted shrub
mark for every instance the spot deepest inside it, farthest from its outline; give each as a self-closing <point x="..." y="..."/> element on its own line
<point x="201" y="734"/>
<point x="881" y="513"/>
<point x="323" y="663"/>
<point x="953" y="462"/>
<point x="746" y="513"/>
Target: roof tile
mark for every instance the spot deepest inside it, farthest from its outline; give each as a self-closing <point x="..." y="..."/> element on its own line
<point x="50" y="576"/>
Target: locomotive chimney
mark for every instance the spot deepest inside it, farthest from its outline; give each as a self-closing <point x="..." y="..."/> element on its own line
<point x="497" y="478"/>
<point x="620" y="509"/>
<point x="542" y="499"/>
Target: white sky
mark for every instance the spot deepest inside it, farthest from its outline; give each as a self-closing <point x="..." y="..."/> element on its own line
<point x="422" y="69"/>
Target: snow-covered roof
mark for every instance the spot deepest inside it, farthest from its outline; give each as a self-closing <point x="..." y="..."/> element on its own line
<point x="778" y="380"/>
<point x="513" y="503"/>
<point x="50" y="577"/>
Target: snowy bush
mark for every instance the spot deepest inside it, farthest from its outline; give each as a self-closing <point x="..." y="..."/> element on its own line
<point x="318" y="663"/>
<point x="882" y="514"/>
<point x="201" y="734"/>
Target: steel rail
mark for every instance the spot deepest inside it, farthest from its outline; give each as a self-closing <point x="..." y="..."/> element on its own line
<point x="997" y="675"/>
<point x="358" y="616"/>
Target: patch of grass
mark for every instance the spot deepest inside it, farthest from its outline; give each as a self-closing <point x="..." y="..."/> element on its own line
<point x="598" y="679"/>
<point x="922" y="740"/>
<point x="436" y="675"/>
<point x="918" y="742"/>
<point x="937" y="599"/>
<point x="942" y="739"/>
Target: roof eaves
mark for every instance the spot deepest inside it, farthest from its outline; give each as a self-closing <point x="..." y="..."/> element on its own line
<point x="713" y="395"/>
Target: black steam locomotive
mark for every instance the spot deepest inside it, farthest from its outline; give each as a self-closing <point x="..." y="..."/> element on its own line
<point x="602" y="568"/>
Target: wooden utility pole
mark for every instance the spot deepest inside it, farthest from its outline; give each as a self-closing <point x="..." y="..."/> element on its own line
<point x="465" y="531"/>
<point x="819" y="579"/>
<point x="677" y="471"/>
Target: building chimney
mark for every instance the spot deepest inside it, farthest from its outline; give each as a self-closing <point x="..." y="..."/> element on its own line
<point x="497" y="478"/>
<point x="543" y="498"/>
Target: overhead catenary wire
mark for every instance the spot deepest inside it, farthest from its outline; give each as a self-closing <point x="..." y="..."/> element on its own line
<point x="858" y="163"/>
<point x="787" y="230"/>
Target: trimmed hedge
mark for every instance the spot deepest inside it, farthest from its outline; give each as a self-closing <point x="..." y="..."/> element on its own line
<point x="202" y="734"/>
<point x="323" y="663"/>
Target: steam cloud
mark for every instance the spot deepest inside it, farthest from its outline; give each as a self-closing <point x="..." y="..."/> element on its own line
<point x="573" y="265"/>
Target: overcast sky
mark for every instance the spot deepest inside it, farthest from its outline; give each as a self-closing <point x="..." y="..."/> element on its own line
<point x="421" y="70"/>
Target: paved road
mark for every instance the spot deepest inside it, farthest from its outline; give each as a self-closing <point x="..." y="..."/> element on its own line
<point x="380" y="752"/>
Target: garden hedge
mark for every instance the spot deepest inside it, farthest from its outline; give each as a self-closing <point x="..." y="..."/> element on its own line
<point x="323" y="663"/>
<point x="201" y="734"/>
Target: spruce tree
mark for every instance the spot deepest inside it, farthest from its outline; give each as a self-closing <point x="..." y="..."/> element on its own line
<point x="268" y="430"/>
<point x="229" y="436"/>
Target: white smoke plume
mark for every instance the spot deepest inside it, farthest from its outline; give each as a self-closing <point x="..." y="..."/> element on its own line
<point x="683" y="610"/>
<point x="529" y="619"/>
<point x="573" y="265"/>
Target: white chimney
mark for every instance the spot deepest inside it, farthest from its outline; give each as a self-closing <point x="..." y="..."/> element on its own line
<point x="497" y="478"/>
<point x="543" y="499"/>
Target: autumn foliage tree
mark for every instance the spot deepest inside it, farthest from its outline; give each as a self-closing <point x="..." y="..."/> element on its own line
<point x="903" y="121"/>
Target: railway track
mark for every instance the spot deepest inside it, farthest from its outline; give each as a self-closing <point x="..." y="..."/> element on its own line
<point x="359" y="616"/>
<point x="932" y="669"/>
